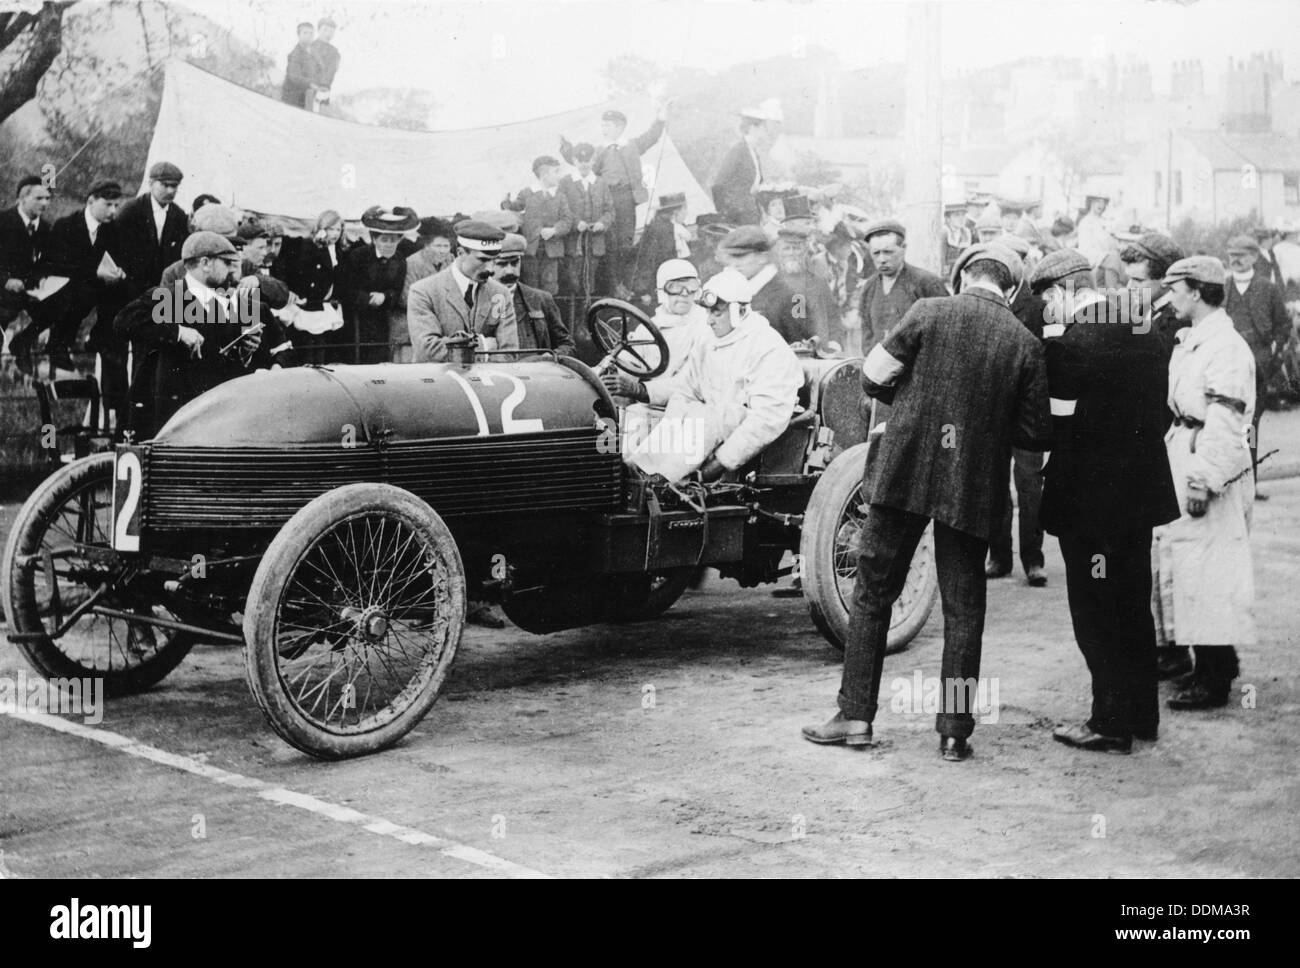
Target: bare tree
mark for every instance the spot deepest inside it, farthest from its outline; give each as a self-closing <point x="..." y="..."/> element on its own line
<point x="29" y="42"/>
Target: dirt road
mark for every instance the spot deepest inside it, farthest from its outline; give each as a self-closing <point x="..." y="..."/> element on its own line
<point x="672" y="748"/>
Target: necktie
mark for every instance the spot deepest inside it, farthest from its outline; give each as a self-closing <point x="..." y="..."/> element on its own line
<point x="31" y="230"/>
<point x="469" y="296"/>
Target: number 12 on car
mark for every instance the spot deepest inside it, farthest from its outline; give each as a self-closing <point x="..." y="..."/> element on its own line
<point x="128" y="489"/>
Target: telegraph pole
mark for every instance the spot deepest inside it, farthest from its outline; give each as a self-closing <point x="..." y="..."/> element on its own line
<point x="923" y="138"/>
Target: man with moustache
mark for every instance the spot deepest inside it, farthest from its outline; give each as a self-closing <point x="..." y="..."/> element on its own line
<point x="183" y="346"/>
<point x="537" y="317"/>
<point x="463" y="298"/>
<point x="1106" y="486"/>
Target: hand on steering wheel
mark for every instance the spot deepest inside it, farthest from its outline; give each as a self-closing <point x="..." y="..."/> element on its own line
<point x="612" y="323"/>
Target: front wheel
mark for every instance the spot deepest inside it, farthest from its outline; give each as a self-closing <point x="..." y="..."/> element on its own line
<point x="58" y="556"/>
<point x="828" y="548"/>
<point x="353" y="620"/>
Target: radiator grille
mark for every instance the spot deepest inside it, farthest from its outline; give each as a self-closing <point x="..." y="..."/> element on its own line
<point x="190" y="487"/>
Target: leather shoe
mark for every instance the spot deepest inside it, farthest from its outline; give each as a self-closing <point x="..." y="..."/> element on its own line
<point x="1173" y="661"/>
<point x="1199" y="696"/>
<point x="838" y="729"/>
<point x="995" y="569"/>
<point x="954" y="749"/>
<point x="1081" y="736"/>
<point x="1036" y="577"/>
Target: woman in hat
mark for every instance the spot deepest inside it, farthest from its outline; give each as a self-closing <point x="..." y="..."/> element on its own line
<point x="314" y="277"/>
<point x="372" y="288"/>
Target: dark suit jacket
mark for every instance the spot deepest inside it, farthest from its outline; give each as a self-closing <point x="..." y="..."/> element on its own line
<point x="973" y="385"/>
<point x="312" y="276"/>
<point x="590" y="205"/>
<point x="166" y="374"/>
<point x="788" y="315"/>
<point x="20" y="253"/>
<point x="1109" y="473"/>
<point x="621" y="166"/>
<point x="658" y="244"/>
<point x="912" y="284"/>
<point x="540" y="325"/>
<point x="72" y="254"/>
<point x="541" y="211"/>
<point x="143" y="258"/>
<point x="733" y="185"/>
<point x="1260" y="316"/>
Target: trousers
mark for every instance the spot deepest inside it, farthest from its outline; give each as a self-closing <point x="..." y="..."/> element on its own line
<point x="1108" y="584"/>
<point x="889" y="540"/>
<point x="1027" y="472"/>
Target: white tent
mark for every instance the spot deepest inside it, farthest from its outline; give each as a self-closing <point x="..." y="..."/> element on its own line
<point x="258" y="153"/>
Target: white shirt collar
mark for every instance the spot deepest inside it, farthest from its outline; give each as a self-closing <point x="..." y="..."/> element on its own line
<point x="202" y="291"/>
<point x="463" y="282"/>
<point x="588" y="179"/>
<point x="92" y="226"/>
<point x="29" y="221"/>
<point x="986" y="286"/>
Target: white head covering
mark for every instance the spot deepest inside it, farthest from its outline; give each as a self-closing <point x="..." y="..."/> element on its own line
<point x="675" y="269"/>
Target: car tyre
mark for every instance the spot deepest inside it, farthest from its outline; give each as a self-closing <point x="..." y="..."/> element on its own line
<point x="366" y="581"/>
<point x="829" y="566"/>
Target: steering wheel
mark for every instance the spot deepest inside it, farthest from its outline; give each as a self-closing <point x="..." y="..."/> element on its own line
<point x="611" y="323"/>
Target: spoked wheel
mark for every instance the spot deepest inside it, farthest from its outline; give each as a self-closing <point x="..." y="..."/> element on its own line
<point x="829" y="548"/>
<point x="57" y="559"/>
<point x="628" y="339"/>
<point x="353" y="620"/>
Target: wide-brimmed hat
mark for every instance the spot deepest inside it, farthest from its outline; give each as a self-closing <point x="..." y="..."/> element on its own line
<point x="397" y="220"/>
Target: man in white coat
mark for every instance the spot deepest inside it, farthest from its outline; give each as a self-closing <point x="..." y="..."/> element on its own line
<point x="1204" y="591"/>
<point x="734" y="395"/>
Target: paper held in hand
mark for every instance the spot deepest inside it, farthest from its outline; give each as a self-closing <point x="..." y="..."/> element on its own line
<point x="107" y="265"/>
<point x="48" y="287"/>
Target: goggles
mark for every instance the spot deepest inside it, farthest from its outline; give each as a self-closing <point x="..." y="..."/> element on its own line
<point x="682" y="287"/>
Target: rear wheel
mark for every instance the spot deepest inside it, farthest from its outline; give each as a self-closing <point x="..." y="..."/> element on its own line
<point x="829" y="545"/>
<point x="58" y="556"/>
<point x="353" y="620"/>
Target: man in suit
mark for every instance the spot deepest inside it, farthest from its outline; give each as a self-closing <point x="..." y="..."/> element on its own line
<point x="302" y="71"/>
<point x="463" y="298"/>
<point x="327" y="58"/>
<point x="740" y="174"/>
<point x="619" y="163"/>
<point x="896" y="284"/>
<point x="664" y="237"/>
<point x="373" y="282"/>
<point x="794" y="261"/>
<point x="24" y="236"/>
<point x="547" y="221"/>
<point x="1107" y="485"/>
<point x="592" y="207"/>
<point x="967" y="382"/>
<point x="151" y="229"/>
<point x="78" y="244"/>
<point x="179" y="335"/>
<point x="1145" y="261"/>
<point x="433" y="256"/>
<point x="537" y="317"/>
<point x="747" y="248"/>
<point x="1258" y="311"/>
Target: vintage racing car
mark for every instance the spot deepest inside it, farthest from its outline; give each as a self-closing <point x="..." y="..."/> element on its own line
<point x="335" y="520"/>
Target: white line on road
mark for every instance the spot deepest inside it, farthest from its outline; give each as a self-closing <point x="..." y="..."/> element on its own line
<point x="275" y="794"/>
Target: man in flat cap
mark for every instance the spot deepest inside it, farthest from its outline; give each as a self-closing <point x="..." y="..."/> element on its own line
<point x="152" y="228"/>
<point x="592" y="206"/>
<point x="83" y="248"/>
<point x="748" y="250"/>
<point x="1146" y="259"/>
<point x="463" y="298"/>
<point x="537" y="317"/>
<point x="740" y="174"/>
<point x="1204" y="592"/>
<point x="1107" y="485"/>
<point x="187" y="339"/>
<point x="966" y="382"/>
<point x="619" y="164"/>
<point x="896" y="284"/>
<point x="1258" y="311"/>
<point x="371" y="293"/>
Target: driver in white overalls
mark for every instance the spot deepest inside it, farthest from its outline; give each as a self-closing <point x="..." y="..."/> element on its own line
<point x="734" y="394"/>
